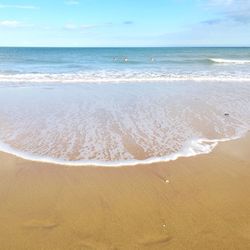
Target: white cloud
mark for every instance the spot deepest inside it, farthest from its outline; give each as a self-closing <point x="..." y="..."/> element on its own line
<point x="10" y="24"/>
<point x="230" y="10"/>
<point x="236" y="10"/>
<point x="220" y="2"/>
<point x="14" y="24"/>
<point x="72" y="2"/>
<point x="10" y="6"/>
<point x="72" y="26"/>
<point x="88" y="26"/>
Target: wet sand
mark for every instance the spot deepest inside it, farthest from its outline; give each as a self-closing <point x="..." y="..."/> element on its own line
<point x="201" y="202"/>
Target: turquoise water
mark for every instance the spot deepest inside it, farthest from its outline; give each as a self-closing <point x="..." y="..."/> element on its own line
<point x="115" y="107"/>
<point x="123" y="64"/>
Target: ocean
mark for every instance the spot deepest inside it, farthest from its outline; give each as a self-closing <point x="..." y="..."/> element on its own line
<point x="121" y="106"/>
<point x="122" y="64"/>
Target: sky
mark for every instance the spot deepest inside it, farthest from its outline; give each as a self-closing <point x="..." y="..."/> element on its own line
<point x="130" y="23"/>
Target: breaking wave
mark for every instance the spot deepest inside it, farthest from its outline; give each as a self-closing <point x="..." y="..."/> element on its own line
<point x="192" y="148"/>
<point x="229" y="61"/>
<point x="121" y="76"/>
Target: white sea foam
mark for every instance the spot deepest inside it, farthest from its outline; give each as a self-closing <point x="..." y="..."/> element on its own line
<point x="229" y="61"/>
<point x="121" y="76"/>
<point x="193" y="148"/>
<point x="116" y="125"/>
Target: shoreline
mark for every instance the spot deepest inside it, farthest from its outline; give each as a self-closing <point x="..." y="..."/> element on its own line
<point x="199" y="202"/>
<point x="188" y="151"/>
<point x="21" y="81"/>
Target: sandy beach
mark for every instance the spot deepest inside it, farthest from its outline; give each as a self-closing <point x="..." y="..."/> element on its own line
<point x="125" y="125"/>
<point x="199" y="202"/>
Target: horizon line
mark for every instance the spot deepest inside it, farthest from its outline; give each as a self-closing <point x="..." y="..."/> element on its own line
<point x="113" y="47"/>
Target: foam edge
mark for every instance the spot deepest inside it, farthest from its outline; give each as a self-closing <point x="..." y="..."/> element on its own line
<point x="195" y="147"/>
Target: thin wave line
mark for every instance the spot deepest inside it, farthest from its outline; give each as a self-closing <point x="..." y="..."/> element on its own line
<point x="196" y="147"/>
<point x="77" y="78"/>
<point x="229" y="61"/>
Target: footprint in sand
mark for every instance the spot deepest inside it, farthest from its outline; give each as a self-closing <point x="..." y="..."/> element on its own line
<point x="41" y="224"/>
<point x="153" y="241"/>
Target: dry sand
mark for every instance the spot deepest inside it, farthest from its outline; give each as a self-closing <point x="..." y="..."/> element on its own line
<point x="201" y="202"/>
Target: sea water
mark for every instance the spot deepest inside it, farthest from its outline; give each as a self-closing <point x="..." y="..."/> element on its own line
<point x="121" y="106"/>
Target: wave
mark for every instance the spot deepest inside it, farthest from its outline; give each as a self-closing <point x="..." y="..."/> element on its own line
<point x="193" y="148"/>
<point x="113" y="77"/>
<point x="229" y="61"/>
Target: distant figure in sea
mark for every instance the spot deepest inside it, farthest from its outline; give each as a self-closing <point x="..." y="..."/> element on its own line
<point x="125" y="59"/>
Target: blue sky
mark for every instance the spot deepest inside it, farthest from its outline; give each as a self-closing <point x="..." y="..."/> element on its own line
<point x="125" y="23"/>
